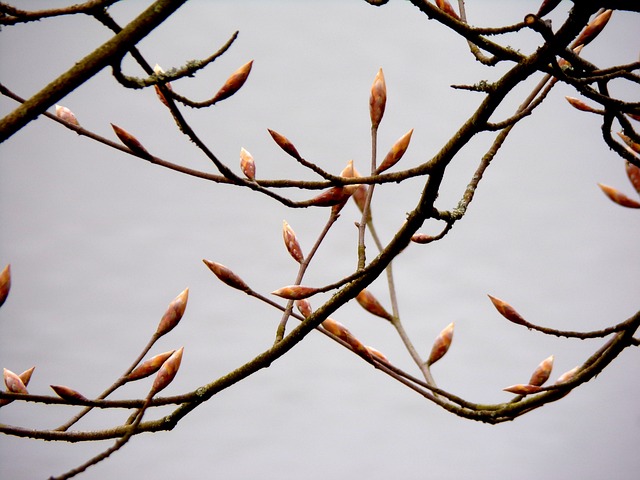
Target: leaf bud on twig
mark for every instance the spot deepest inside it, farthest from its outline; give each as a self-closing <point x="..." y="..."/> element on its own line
<point x="377" y="99"/>
<point x="580" y="105"/>
<point x="304" y="307"/>
<point x="566" y="376"/>
<point x="635" y="146"/>
<point x="26" y="376"/>
<point x="5" y="283"/>
<point x="247" y="164"/>
<point x="131" y="142"/>
<point x="67" y="393"/>
<point x="295" y="292"/>
<point x="522" y="389"/>
<point x="507" y="311"/>
<point x="284" y="143"/>
<point x="397" y="151"/>
<point x="343" y="333"/>
<point x="233" y="83"/>
<point x="149" y="367"/>
<point x="619" y="197"/>
<point x="167" y="372"/>
<point x="441" y="344"/>
<point x="370" y="303"/>
<point x="374" y="352"/>
<point x="446" y="7"/>
<point x="542" y="372"/>
<point x="593" y="29"/>
<point x="291" y="242"/>
<point x="633" y="173"/>
<point x="173" y="314"/>
<point x="63" y="113"/>
<point x="227" y="276"/>
<point x="422" y="238"/>
<point x="330" y="197"/>
<point x="14" y="383"/>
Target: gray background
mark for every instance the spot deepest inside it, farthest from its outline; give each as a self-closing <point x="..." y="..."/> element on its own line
<point x="100" y="242"/>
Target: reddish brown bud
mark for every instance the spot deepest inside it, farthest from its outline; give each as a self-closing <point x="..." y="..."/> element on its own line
<point x="5" y="283"/>
<point x="26" y="376"/>
<point x="159" y="71"/>
<point x="542" y="372"/>
<point x="345" y="335"/>
<point x="372" y="305"/>
<point x="422" y="238"/>
<point x="635" y="146"/>
<point x="226" y="275"/>
<point x="375" y="353"/>
<point x="633" y="173"/>
<point x="397" y="151"/>
<point x="149" y="367"/>
<point x="284" y="143"/>
<point x="304" y="307"/>
<point x="14" y="383"/>
<point x="174" y="313"/>
<point x="167" y="372"/>
<point x="247" y="164"/>
<point x="546" y="7"/>
<point x="521" y="389"/>
<point x="566" y="376"/>
<point x="507" y="311"/>
<point x="131" y="142"/>
<point x="580" y="105"/>
<point x="295" y="292"/>
<point x="377" y="99"/>
<point x="331" y="197"/>
<point x="291" y="242"/>
<point x="233" y="83"/>
<point x="67" y="393"/>
<point x="63" y="113"/>
<point x="441" y="344"/>
<point x="593" y="29"/>
<point x="446" y="7"/>
<point x="619" y="197"/>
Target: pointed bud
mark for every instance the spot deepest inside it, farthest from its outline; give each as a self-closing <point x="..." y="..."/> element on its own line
<point x="619" y="197"/>
<point x="233" y="83"/>
<point x="422" y="238"/>
<point x="69" y="394"/>
<point x="304" y="307"/>
<point x="295" y="292"/>
<point x="247" y="164"/>
<point x="350" y="172"/>
<point x="167" y="372"/>
<point x="173" y="314"/>
<point x="580" y="105"/>
<point x="566" y="376"/>
<point x="331" y="197"/>
<point x="507" y="311"/>
<point x="149" y="367"/>
<point x="63" y="113"/>
<point x="635" y="146"/>
<point x="371" y="304"/>
<point x="130" y="142"/>
<point x="377" y="354"/>
<point x="521" y="389"/>
<point x="542" y="372"/>
<point x="284" y="143"/>
<point x="546" y="7"/>
<point x="594" y="28"/>
<point x="5" y="283"/>
<point x="227" y="276"/>
<point x="346" y="336"/>
<point x="633" y="173"/>
<point x="446" y="7"/>
<point x="14" y="383"/>
<point x="291" y="242"/>
<point x="26" y="376"/>
<point x="377" y="99"/>
<point x="441" y="344"/>
<point x="396" y="152"/>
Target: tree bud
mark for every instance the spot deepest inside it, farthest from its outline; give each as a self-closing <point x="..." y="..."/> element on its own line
<point x="63" y="113"/>
<point x="566" y="376"/>
<point x="291" y="242"/>
<point x="580" y="105"/>
<point x="521" y="389"/>
<point x="377" y="99"/>
<point x="397" y="151"/>
<point x="67" y="393"/>
<point x="633" y="173"/>
<point x="131" y="142"/>
<point x="446" y="7"/>
<point x="295" y="292"/>
<point x="304" y="307"/>
<point x="5" y="283"/>
<point x="371" y="304"/>
<point x="174" y="313"/>
<point x="619" y="197"/>
<point x="441" y="344"/>
<point x="593" y="29"/>
<point x="149" y="367"/>
<point x="227" y="276"/>
<point x="284" y="143"/>
<point x="247" y="164"/>
<point x="233" y="83"/>
<point x="14" y="383"/>
<point x="167" y="372"/>
<point x="507" y="311"/>
<point x="375" y="353"/>
<point x="542" y="372"/>
<point x="331" y="197"/>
